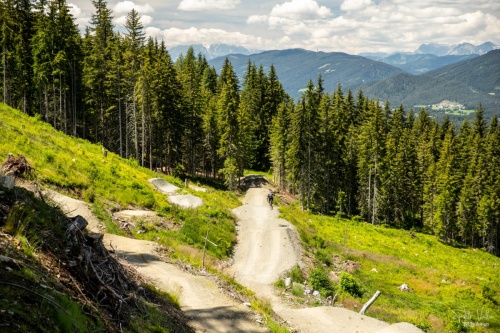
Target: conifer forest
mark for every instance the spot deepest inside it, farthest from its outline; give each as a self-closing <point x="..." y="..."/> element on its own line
<point x="339" y="152"/>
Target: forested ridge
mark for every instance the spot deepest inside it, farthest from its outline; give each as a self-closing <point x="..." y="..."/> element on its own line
<point x="339" y="152"/>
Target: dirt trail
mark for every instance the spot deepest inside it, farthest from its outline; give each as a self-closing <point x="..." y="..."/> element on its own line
<point x="268" y="246"/>
<point x="209" y="309"/>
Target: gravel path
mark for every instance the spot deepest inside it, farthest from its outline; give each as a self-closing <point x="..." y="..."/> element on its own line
<point x="209" y="309"/>
<point x="268" y="246"/>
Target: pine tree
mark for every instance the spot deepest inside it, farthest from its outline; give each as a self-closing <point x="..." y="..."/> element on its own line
<point x="211" y="133"/>
<point x="134" y="42"/>
<point x="96" y="78"/>
<point x="190" y="71"/>
<point x="251" y="105"/>
<point x="473" y="182"/>
<point x="488" y="210"/>
<point x="304" y="144"/>
<point x="443" y="222"/>
<point x="279" y="144"/>
<point x="349" y="157"/>
<point x="371" y="148"/>
<point x="168" y="109"/>
<point x="228" y="110"/>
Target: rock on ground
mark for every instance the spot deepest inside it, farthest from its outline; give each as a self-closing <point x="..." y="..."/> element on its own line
<point x="186" y="201"/>
<point x="163" y="186"/>
<point x="135" y="213"/>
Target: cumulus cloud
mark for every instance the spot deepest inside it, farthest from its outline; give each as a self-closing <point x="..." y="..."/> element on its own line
<point x="385" y="25"/>
<point x="81" y="19"/>
<point x="295" y="17"/>
<point x="351" y="5"/>
<point x="74" y="10"/>
<point x="192" y="35"/>
<point x="124" y="7"/>
<point x="197" y="5"/>
<point x="300" y="10"/>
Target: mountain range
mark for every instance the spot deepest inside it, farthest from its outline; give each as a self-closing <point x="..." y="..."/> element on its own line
<point x="431" y="56"/>
<point x="210" y="51"/>
<point x="468" y="82"/>
<point x="463" y="73"/>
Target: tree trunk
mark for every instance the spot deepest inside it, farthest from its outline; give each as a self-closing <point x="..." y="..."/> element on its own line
<point x="136" y="130"/>
<point x="369" y="193"/>
<point x="367" y="304"/>
<point x="374" y="205"/>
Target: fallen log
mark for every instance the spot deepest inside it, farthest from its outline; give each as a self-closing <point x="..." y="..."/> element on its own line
<point x="367" y="304"/>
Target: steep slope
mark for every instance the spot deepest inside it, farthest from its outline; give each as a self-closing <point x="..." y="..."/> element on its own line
<point x="411" y="90"/>
<point x="468" y="82"/>
<point x="481" y="73"/>
<point x="269" y="246"/>
<point x="422" y="63"/>
<point x="295" y="67"/>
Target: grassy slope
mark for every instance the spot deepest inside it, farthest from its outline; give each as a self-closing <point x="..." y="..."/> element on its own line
<point x="447" y="283"/>
<point x="79" y="169"/>
<point x="449" y="286"/>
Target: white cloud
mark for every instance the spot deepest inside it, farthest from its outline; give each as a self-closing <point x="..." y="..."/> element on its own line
<point x="300" y="10"/>
<point x="351" y="5"/>
<point x="124" y="7"/>
<point x="74" y="10"/>
<point x="121" y="20"/>
<point x="198" y="5"/>
<point x="255" y="19"/>
<point x="385" y="25"/>
<point x="192" y="35"/>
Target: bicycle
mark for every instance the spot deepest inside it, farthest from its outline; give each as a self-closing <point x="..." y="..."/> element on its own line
<point x="270" y="200"/>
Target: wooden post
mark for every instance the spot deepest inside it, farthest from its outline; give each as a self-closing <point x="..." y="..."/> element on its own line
<point x="367" y="304"/>
<point x="205" y="249"/>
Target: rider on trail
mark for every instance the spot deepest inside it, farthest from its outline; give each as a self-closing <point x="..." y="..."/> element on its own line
<point x="270" y="197"/>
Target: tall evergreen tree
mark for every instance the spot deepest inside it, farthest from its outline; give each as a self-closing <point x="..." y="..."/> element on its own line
<point x="168" y="109"/>
<point x="190" y="71"/>
<point x="228" y="109"/>
<point x="371" y="149"/>
<point x="96" y="76"/>
<point x="279" y="144"/>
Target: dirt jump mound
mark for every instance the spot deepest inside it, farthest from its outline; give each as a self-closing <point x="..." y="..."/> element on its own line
<point x="163" y="186"/>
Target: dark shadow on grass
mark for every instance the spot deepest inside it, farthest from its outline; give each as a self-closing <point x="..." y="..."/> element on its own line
<point x="252" y="181"/>
<point x="227" y="317"/>
<point x="139" y="259"/>
<point x="204" y="181"/>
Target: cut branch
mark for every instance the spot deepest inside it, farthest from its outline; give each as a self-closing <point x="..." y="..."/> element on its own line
<point x="369" y="303"/>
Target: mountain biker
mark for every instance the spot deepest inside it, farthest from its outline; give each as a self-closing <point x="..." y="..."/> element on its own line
<point x="270" y="198"/>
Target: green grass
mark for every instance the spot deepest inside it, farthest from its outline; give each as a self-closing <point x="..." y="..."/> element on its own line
<point x="79" y="169"/>
<point x="460" y="112"/>
<point x="268" y="175"/>
<point x="446" y="282"/>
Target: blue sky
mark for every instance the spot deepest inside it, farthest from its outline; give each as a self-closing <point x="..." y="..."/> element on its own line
<point x="351" y="26"/>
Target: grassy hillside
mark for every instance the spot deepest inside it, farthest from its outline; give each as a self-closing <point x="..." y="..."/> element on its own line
<point x="42" y="291"/>
<point x="453" y="289"/>
<point x="80" y="169"/>
<point x="481" y="73"/>
<point x="411" y="90"/>
<point x="422" y="63"/>
<point x="110" y="183"/>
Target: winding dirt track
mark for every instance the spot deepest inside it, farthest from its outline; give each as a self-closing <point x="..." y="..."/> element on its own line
<point x="207" y="307"/>
<point x="267" y="247"/>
